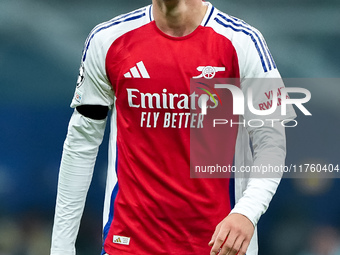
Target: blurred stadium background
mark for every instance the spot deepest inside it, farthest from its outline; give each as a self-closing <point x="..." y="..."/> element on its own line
<point x="40" y="50"/>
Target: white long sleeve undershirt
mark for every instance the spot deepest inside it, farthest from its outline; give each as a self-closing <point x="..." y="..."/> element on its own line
<point x="269" y="146"/>
<point x="79" y="156"/>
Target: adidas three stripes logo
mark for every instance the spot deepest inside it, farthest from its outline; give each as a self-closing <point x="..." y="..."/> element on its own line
<point x="138" y="71"/>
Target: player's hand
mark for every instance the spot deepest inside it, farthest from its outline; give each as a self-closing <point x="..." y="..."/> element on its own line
<point x="232" y="235"/>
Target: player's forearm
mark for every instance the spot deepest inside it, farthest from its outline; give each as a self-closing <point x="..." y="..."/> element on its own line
<point x="76" y="169"/>
<point x="269" y="149"/>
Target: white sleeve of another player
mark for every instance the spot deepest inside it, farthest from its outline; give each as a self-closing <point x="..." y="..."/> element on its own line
<point x="79" y="155"/>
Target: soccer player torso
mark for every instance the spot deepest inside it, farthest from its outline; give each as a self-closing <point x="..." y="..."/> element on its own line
<point x="151" y="83"/>
<point x="159" y="209"/>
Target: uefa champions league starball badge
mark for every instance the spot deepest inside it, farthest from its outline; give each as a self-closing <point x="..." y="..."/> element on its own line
<point x="81" y="76"/>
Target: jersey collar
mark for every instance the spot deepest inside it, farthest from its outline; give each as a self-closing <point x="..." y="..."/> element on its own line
<point x="205" y="20"/>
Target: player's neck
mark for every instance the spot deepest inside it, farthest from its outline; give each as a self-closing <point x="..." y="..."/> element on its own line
<point x="178" y="17"/>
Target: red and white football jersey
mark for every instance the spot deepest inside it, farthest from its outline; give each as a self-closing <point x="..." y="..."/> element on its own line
<point x="152" y="206"/>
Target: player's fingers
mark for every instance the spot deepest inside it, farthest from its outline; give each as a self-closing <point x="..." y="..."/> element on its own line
<point x="229" y="247"/>
<point x="243" y="248"/>
<point x="237" y="246"/>
<point x="217" y="230"/>
<point x="218" y="241"/>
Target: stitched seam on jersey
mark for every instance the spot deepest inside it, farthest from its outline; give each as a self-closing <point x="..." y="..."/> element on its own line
<point x="108" y="26"/>
<point x="252" y="38"/>
<point x="252" y="31"/>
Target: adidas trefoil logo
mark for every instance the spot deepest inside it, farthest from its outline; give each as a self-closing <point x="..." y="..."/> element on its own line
<point x="138" y="71"/>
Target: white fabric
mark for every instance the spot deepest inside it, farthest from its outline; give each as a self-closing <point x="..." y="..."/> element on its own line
<point x="79" y="155"/>
<point x="96" y="88"/>
<point x="269" y="149"/>
<point x="252" y="193"/>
